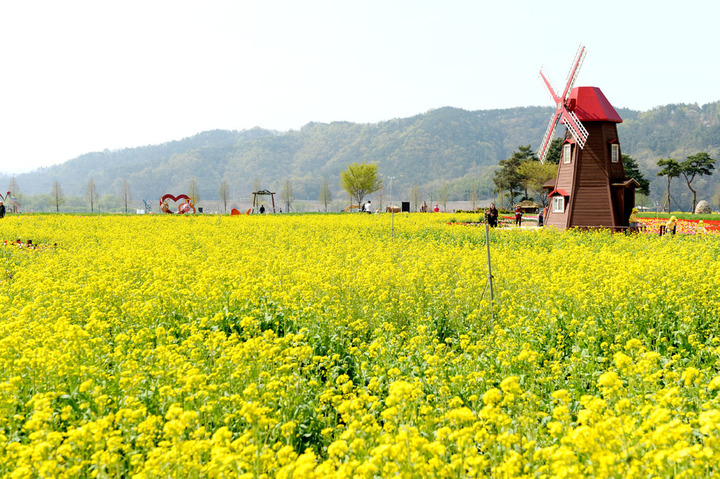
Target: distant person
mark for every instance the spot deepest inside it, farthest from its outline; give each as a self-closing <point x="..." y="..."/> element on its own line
<point x="671" y="225"/>
<point x="541" y="218"/>
<point x="2" y="209"/>
<point x="518" y="216"/>
<point x="423" y="208"/>
<point x="262" y="209"/>
<point x="633" y="221"/>
<point x="436" y="209"/>
<point x="368" y="207"/>
<point x="492" y="216"/>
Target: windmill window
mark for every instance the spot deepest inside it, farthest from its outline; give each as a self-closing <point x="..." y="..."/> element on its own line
<point x="558" y="204"/>
<point x="614" y="152"/>
<point x="567" y="152"/>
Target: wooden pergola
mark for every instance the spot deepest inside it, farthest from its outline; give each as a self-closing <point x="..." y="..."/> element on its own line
<point x="262" y="193"/>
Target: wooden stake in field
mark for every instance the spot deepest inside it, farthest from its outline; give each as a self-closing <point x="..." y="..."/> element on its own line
<point x="490" y="276"/>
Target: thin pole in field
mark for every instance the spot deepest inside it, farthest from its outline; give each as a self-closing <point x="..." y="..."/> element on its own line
<point x="490" y="276"/>
<point x="392" y="207"/>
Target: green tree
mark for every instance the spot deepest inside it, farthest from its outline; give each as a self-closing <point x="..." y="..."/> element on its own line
<point x="699" y="164"/>
<point x="359" y="180"/>
<point x="671" y="169"/>
<point x="57" y="197"/>
<point x="508" y="177"/>
<point x="633" y="171"/>
<point x="91" y="195"/>
<point x="554" y="151"/>
<point x="108" y="202"/>
<point x="224" y="194"/>
<point x="535" y="175"/>
<point x="325" y="194"/>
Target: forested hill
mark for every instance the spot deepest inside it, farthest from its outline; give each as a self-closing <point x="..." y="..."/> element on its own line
<point x="444" y="145"/>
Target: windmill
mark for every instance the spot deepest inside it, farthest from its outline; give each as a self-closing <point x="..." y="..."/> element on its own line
<point x="590" y="189"/>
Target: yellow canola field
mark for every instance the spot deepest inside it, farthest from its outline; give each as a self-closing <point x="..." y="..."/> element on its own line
<point x="317" y="346"/>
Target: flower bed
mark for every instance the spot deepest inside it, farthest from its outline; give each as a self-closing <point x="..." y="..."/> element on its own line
<point x="683" y="226"/>
<point x="320" y="346"/>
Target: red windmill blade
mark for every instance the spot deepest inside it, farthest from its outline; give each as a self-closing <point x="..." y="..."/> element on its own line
<point x="563" y="110"/>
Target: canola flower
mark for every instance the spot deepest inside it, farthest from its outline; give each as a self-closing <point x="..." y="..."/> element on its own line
<point x="319" y="346"/>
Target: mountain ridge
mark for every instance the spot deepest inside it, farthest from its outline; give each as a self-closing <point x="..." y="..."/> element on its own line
<point x="444" y="145"/>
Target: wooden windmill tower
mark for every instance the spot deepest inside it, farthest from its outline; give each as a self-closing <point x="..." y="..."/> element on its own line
<point x="590" y="189"/>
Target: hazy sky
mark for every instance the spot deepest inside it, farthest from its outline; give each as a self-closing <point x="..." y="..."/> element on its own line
<point x="82" y="76"/>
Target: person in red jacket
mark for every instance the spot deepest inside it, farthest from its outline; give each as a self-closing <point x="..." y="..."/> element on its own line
<point x="518" y="216"/>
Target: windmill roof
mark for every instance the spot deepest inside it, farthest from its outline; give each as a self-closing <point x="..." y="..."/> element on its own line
<point x="591" y="105"/>
<point x="558" y="191"/>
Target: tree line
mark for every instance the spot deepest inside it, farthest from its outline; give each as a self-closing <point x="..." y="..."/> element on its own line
<point x="522" y="174"/>
<point x="692" y="168"/>
<point x="443" y="154"/>
<point x="56" y="199"/>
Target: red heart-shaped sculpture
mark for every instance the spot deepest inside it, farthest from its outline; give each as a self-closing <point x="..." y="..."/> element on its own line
<point x="186" y="206"/>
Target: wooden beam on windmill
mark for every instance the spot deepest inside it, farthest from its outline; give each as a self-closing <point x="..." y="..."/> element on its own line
<point x="563" y="111"/>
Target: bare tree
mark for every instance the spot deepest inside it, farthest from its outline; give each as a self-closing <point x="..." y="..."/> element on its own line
<point x="444" y="195"/>
<point x="193" y="190"/>
<point x="56" y="196"/>
<point x="14" y="198"/>
<point x="325" y="194"/>
<point x="125" y="194"/>
<point x="415" y="196"/>
<point x="13" y="187"/>
<point x="379" y="197"/>
<point x="91" y="195"/>
<point x="473" y="195"/>
<point x="286" y="195"/>
<point x="224" y="193"/>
